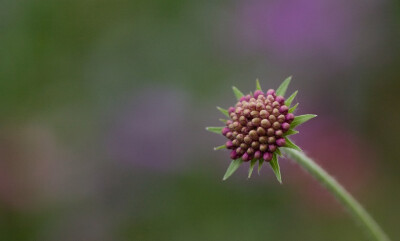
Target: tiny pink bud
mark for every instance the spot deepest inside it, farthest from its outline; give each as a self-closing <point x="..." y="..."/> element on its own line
<point x="246" y="157"/>
<point x="257" y="155"/>
<point x="225" y="130"/>
<point x="289" y="117"/>
<point x="257" y="93"/>
<point x="270" y="92"/>
<point x="280" y="99"/>
<point x="281" y="142"/>
<point x="283" y="109"/>
<point x="267" y="156"/>
<point x="233" y="154"/>
<point x="229" y="144"/>
<point x="285" y="126"/>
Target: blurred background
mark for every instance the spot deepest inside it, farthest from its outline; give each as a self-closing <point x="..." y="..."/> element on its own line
<point x="103" y="106"/>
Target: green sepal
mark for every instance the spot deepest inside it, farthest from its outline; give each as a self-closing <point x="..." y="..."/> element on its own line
<point x="260" y="163"/>
<point x="223" y="120"/>
<point x="278" y="152"/>
<point x="281" y="91"/>
<point x="219" y="147"/>
<point x="290" y="132"/>
<point x="298" y="120"/>
<point x="217" y="130"/>
<point x="258" y="86"/>
<point x="235" y="164"/>
<point x="275" y="167"/>
<point x="290" y="144"/>
<point x="223" y="111"/>
<point x="237" y="93"/>
<point x="291" y="110"/>
<point x="252" y="163"/>
<point x="289" y="100"/>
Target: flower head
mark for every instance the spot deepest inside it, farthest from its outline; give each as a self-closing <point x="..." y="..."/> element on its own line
<point x="259" y="124"/>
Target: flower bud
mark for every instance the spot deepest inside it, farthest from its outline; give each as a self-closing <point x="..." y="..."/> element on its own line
<point x="250" y="151"/>
<point x="257" y="155"/>
<point x="270" y="131"/>
<point x="271" y="140"/>
<point x="255" y="144"/>
<point x="260" y="131"/>
<point x="225" y="130"/>
<point x="247" y="139"/>
<point x="234" y="155"/>
<point x="281" y="118"/>
<point x="283" y="109"/>
<point x="281" y="142"/>
<point x="272" y="148"/>
<point x="246" y="157"/>
<point x="253" y="135"/>
<point x="264" y="114"/>
<point x="280" y="100"/>
<point x="285" y="126"/>
<point x="263" y="147"/>
<point x="267" y="156"/>
<point x="276" y="125"/>
<point x="265" y="123"/>
<point x="289" y="117"/>
<point x="271" y="92"/>
<point x="257" y="93"/>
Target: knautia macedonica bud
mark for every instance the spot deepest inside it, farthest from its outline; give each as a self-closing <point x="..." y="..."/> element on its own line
<point x="258" y="125"/>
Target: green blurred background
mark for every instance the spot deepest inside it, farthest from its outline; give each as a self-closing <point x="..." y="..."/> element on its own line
<point x="103" y="106"/>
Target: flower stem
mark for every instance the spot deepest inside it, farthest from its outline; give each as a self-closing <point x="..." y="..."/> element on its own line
<point x="358" y="212"/>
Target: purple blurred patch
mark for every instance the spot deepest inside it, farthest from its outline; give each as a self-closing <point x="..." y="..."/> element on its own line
<point x="294" y="29"/>
<point x="151" y="130"/>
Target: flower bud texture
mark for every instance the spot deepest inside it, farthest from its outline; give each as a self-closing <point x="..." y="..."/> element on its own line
<point x="257" y="124"/>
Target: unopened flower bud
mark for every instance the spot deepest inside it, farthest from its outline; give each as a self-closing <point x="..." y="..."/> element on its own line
<point x="225" y="130"/>
<point x="289" y="117"/>
<point x="271" y="92"/>
<point x="280" y="100"/>
<point x="285" y="126"/>
<point x="240" y="137"/>
<point x="272" y="148"/>
<point x="263" y="147"/>
<point x="253" y="135"/>
<point x="276" y="125"/>
<point x="256" y="121"/>
<point x="267" y="156"/>
<point x="263" y="139"/>
<point x="246" y="157"/>
<point x="255" y="144"/>
<point x="257" y="93"/>
<point x="263" y="114"/>
<point x="229" y="144"/>
<point x="283" y="109"/>
<point x="281" y="142"/>
<point x="247" y="139"/>
<point x="270" y="131"/>
<point x="250" y="151"/>
<point x="260" y="131"/>
<point x="257" y="155"/>
<point x="234" y="155"/>
<point x="281" y="118"/>
<point x="271" y="140"/>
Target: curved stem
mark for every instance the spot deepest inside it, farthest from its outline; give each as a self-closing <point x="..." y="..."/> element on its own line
<point x="345" y="198"/>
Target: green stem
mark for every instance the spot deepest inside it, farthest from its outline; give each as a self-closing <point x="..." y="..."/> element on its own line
<point x="337" y="190"/>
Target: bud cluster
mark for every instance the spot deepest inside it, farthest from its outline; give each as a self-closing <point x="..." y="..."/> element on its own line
<point x="258" y="123"/>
